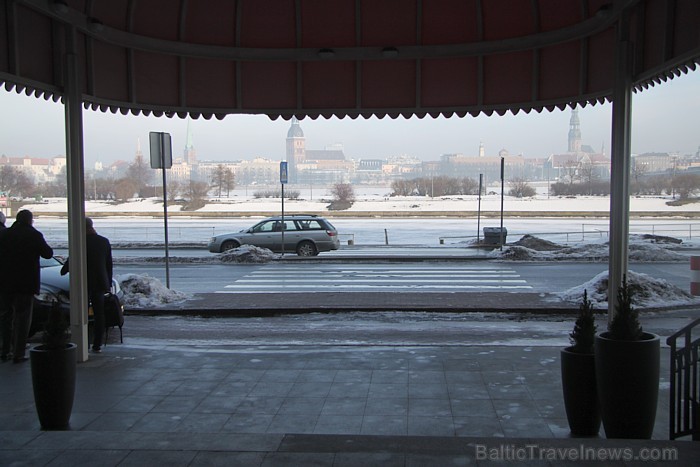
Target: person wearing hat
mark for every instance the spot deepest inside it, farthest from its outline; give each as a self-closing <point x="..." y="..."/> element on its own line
<point x="98" y="253"/>
<point x="20" y="248"/>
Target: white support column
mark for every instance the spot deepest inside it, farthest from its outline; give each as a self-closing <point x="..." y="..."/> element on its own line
<point x="76" y="207"/>
<point x="621" y="154"/>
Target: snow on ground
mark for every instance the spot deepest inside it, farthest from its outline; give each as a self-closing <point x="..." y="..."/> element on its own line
<point x="642" y="248"/>
<point x="243" y="254"/>
<point x="246" y="254"/>
<point x="645" y="290"/>
<point x="144" y="291"/>
<point x="648" y="292"/>
<point x="381" y="202"/>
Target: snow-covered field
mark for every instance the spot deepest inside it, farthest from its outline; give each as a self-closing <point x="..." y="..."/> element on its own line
<point x="377" y="199"/>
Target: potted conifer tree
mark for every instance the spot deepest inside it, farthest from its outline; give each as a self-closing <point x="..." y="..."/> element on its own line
<point x="53" y="366"/>
<point x="578" y="374"/>
<point x="627" y="362"/>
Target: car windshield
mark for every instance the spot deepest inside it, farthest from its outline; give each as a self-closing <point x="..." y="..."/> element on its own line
<point x="47" y="263"/>
<point x="267" y="226"/>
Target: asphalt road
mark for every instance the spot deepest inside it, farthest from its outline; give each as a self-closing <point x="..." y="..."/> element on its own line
<point x="404" y="276"/>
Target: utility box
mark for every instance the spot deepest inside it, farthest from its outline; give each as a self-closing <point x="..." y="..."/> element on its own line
<point x="492" y="235"/>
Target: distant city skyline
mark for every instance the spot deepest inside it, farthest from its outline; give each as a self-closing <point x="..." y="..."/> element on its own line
<point x="664" y="120"/>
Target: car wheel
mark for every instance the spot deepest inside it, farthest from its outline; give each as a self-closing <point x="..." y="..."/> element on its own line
<point x="306" y="249"/>
<point x="229" y="245"/>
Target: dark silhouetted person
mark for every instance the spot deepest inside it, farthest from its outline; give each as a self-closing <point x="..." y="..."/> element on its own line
<point x="99" y="278"/>
<point x="20" y="248"/>
<point x="5" y="314"/>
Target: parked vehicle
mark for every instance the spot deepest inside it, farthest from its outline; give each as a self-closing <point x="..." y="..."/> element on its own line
<point x="55" y="288"/>
<point x="307" y="235"/>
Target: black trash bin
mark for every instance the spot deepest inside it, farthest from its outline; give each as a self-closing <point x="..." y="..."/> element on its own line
<point x="492" y="235"/>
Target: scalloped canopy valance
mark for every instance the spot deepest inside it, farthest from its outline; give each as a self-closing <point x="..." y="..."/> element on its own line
<point x="341" y="57"/>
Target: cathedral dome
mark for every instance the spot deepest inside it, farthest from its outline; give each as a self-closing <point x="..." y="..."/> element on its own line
<point x="295" y="130"/>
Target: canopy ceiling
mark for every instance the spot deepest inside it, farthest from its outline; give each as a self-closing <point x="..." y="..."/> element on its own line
<point x="341" y="57"/>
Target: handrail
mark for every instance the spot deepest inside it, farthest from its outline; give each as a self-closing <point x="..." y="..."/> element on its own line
<point x="682" y="331"/>
<point x="685" y="384"/>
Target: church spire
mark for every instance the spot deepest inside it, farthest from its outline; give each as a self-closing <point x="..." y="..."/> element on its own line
<point x="296" y="149"/>
<point x="190" y="155"/>
<point x="574" y="132"/>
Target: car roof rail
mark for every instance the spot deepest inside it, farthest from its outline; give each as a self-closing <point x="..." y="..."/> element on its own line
<point x="290" y="216"/>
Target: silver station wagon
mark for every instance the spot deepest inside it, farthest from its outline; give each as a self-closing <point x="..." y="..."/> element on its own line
<point x="307" y="235"/>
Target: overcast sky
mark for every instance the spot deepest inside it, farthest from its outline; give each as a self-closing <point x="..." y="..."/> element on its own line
<point x="665" y="119"/>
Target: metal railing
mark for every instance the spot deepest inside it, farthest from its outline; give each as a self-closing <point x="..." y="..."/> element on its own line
<point x="685" y="384"/>
<point x="598" y="231"/>
<point x="570" y="236"/>
<point x="350" y="238"/>
<point x="201" y="234"/>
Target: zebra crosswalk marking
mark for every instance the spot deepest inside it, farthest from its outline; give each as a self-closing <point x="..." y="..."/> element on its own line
<point x="373" y="278"/>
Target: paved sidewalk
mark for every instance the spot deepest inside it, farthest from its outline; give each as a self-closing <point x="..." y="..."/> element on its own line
<point x="325" y="405"/>
<point x="307" y="405"/>
<point x="264" y="304"/>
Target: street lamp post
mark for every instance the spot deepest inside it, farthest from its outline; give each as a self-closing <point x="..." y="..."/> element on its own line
<point x="502" y="189"/>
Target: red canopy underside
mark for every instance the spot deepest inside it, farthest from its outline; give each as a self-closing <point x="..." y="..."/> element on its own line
<point x="341" y="57"/>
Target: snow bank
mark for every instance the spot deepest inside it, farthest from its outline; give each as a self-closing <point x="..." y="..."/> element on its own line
<point x="642" y="248"/>
<point x="646" y="292"/>
<point x="246" y="254"/>
<point x="143" y="291"/>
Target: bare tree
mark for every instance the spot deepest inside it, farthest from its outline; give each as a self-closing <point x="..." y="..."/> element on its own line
<point x="16" y="182"/>
<point x="658" y="185"/>
<point x="343" y="196"/>
<point x="402" y="187"/>
<point x="174" y="190"/>
<point x="442" y="185"/>
<point x="639" y="170"/>
<point x="8" y="177"/>
<point x="519" y="188"/>
<point x="468" y="186"/>
<point x="686" y="185"/>
<point x="435" y="186"/>
<point x="587" y="175"/>
<point x="343" y="192"/>
<point x="569" y="172"/>
<point x="140" y="173"/>
<point x="217" y="179"/>
<point x="124" y="189"/>
<point x="422" y="186"/>
<point x="195" y="193"/>
<point x="229" y="181"/>
<point x="104" y="188"/>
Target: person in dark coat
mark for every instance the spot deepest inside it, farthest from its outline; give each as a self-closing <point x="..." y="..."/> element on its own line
<point x="99" y="278"/>
<point x="5" y="314"/>
<point x="20" y="248"/>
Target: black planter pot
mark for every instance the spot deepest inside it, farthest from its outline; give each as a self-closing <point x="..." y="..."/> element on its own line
<point x="627" y="376"/>
<point x="53" y="380"/>
<point x="580" y="393"/>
